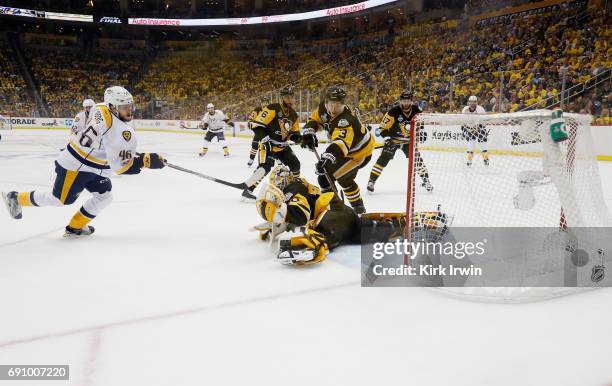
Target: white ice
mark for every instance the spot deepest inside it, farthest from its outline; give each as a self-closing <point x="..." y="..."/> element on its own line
<point x="174" y="290"/>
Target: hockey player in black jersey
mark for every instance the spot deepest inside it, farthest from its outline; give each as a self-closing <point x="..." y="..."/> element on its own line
<point x="395" y="128"/>
<point x="318" y="120"/>
<point x="350" y="148"/>
<point x="276" y="125"/>
<point x="265" y="101"/>
<point x="288" y="203"/>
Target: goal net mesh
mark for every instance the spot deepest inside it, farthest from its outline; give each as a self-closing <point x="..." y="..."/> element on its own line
<point x="504" y="170"/>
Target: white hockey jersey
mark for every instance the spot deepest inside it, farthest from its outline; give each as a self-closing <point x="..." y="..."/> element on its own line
<point x="479" y="110"/>
<point x="216" y="122"/>
<point x="106" y="145"/>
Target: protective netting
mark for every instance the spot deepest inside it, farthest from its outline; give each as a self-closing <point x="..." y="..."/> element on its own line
<point x="529" y="181"/>
<point x="504" y="170"/>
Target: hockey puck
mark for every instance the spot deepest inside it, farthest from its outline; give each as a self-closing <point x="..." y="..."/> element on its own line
<point x="580" y="258"/>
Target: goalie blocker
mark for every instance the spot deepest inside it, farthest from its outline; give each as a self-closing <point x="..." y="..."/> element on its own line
<point x="288" y="203"/>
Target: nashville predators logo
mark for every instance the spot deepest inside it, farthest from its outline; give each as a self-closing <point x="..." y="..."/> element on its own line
<point x="127" y="135"/>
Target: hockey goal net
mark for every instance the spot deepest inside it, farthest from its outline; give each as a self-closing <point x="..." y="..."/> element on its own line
<point x="517" y="176"/>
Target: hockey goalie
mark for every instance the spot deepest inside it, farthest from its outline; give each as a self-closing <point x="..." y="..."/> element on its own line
<point x="319" y="222"/>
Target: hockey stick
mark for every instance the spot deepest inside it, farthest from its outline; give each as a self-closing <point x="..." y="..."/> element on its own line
<point x="241" y="186"/>
<point x="332" y="184"/>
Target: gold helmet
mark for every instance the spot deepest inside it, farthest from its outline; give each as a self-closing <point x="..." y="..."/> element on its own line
<point x="281" y="176"/>
<point x="268" y="201"/>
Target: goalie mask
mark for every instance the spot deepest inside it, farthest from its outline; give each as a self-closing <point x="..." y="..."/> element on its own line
<point x="269" y="200"/>
<point x="281" y="176"/>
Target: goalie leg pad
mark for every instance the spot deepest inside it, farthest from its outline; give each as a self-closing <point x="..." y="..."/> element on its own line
<point x="382" y="227"/>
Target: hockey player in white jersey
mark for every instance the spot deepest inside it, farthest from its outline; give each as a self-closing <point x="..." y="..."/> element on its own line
<point x="78" y="123"/>
<point x="214" y="121"/>
<point x="106" y="146"/>
<point x="476" y="133"/>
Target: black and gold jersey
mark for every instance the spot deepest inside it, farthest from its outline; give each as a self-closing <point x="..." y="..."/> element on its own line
<point x="254" y="113"/>
<point x="305" y="202"/>
<point x="348" y="137"/>
<point x="278" y="122"/>
<point x="396" y="123"/>
<point x="319" y="119"/>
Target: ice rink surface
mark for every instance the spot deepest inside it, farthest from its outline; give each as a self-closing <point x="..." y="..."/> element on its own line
<point x="173" y="289"/>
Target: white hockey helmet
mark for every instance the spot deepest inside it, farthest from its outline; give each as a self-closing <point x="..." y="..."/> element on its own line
<point x="118" y="96"/>
<point x="88" y="103"/>
<point x="472" y="98"/>
<point x="210" y="106"/>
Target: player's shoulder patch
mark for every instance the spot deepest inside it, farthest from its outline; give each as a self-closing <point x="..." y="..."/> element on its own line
<point x="343" y="123"/>
<point x="127" y="135"/>
<point x="77" y="118"/>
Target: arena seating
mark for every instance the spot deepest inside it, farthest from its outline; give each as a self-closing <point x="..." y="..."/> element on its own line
<point x="528" y="59"/>
<point x="14" y="97"/>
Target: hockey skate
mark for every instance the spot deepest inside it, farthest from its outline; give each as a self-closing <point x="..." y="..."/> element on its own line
<point x="486" y="162"/>
<point x="248" y="196"/>
<point x="10" y="200"/>
<point x="76" y="233"/>
<point x="370" y="186"/>
<point x="359" y="208"/>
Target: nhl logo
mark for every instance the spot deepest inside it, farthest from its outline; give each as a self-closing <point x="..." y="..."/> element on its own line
<point x="598" y="273"/>
<point x="127" y="135"/>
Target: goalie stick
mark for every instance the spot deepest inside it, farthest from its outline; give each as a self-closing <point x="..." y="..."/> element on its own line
<point x="240" y="186"/>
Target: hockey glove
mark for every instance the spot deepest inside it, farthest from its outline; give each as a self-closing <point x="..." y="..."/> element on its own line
<point x="309" y="139"/>
<point x="327" y="159"/>
<point x="391" y="145"/>
<point x="152" y="161"/>
<point x="295" y="137"/>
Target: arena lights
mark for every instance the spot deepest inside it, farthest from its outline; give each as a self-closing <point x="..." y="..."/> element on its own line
<point x="336" y="11"/>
